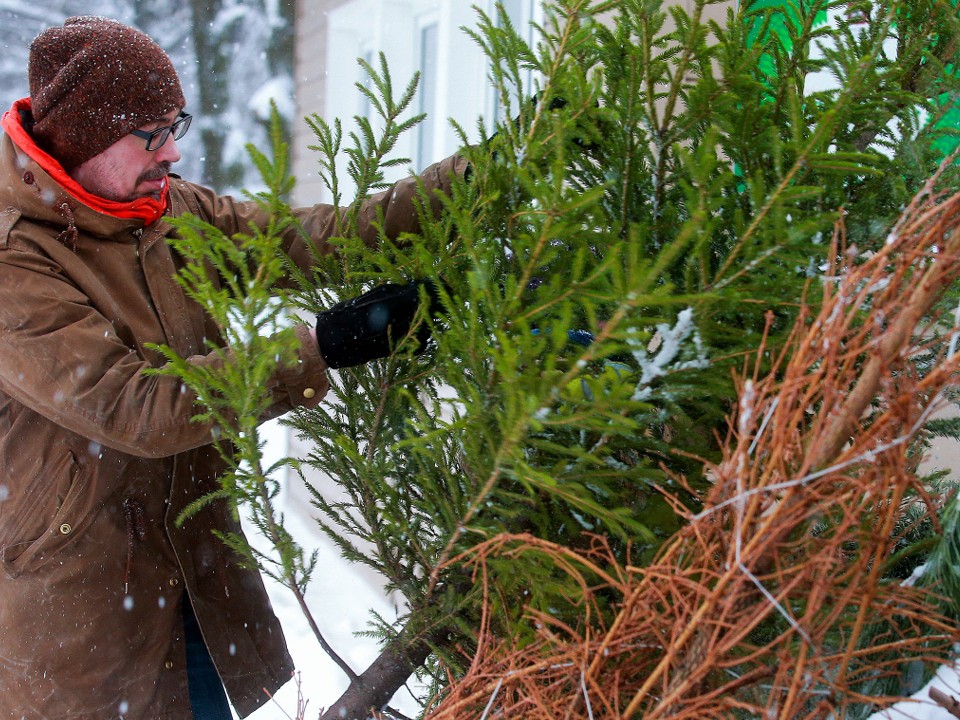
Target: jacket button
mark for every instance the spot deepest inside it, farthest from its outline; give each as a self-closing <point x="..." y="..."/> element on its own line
<point x="309" y="393"/>
<point x="174" y="581"/>
<point x="28" y="177"/>
<point x="66" y="529"/>
<point x="168" y="664"/>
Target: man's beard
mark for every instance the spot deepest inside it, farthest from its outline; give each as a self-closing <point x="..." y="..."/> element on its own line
<point x="155" y="173"/>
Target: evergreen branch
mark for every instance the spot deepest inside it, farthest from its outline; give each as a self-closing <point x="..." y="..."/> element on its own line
<point x="824" y="126"/>
<point x="329" y="142"/>
<point x="660" y="129"/>
<point x="563" y="49"/>
<point x="366" y="155"/>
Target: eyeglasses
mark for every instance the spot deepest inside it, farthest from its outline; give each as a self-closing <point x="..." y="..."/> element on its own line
<point x="156" y="138"/>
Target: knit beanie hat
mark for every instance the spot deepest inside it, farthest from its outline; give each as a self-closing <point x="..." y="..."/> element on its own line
<point x="92" y="81"/>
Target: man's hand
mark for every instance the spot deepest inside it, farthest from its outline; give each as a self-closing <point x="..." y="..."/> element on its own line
<point x="370" y="325"/>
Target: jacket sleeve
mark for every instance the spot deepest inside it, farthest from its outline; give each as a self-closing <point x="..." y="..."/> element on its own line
<point x="320" y="222"/>
<point x="60" y="357"/>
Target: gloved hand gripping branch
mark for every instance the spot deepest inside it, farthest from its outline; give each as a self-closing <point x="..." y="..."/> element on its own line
<point x="367" y="327"/>
<point x="556" y="103"/>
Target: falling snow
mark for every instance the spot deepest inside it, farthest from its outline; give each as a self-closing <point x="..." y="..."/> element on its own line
<point x="344" y="611"/>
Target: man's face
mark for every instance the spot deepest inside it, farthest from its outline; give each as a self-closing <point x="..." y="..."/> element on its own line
<point x="126" y="170"/>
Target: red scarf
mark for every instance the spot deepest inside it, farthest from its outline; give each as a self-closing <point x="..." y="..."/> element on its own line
<point x="147" y="209"/>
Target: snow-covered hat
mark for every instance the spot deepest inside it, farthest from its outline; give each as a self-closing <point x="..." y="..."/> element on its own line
<point x="92" y="81"/>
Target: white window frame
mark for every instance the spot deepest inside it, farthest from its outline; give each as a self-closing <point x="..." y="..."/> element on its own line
<point x="428" y="64"/>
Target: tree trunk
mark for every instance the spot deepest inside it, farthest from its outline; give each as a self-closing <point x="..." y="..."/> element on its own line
<point x="379" y="682"/>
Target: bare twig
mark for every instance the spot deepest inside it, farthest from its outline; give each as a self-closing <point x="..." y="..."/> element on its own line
<point x="947" y="702"/>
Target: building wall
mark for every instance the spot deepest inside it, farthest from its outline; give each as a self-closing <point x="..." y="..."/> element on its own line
<point x="332" y="34"/>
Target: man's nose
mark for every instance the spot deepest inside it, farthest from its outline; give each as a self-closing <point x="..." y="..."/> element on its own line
<point x="168" y="152"/>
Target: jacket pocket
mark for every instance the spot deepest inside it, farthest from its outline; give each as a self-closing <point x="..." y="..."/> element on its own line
<point x="70" y="517"/>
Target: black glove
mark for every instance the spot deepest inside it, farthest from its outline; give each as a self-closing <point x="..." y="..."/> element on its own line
<point x="366" y="327"/>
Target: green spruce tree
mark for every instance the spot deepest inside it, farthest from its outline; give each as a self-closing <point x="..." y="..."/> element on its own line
<point x="660" y="203"/>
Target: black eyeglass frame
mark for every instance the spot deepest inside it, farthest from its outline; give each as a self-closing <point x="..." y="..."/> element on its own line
<point x="157" y="138"/>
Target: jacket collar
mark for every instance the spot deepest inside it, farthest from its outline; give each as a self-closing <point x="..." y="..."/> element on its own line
<point x="146" y="209"/>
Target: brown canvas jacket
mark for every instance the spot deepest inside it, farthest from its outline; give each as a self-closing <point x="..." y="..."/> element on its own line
<point x="97" y="459"/>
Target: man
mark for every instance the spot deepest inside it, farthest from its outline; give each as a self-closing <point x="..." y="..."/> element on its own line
<point x="107" y="609"/>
